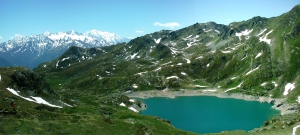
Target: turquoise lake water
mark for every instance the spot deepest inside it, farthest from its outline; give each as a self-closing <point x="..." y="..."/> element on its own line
<point x="209" y="114"/>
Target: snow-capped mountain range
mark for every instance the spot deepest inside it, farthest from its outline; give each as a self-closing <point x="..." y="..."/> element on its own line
<point x="31" y="50"/>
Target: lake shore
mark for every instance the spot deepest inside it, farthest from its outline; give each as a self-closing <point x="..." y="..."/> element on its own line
<point x="278" y="103"/>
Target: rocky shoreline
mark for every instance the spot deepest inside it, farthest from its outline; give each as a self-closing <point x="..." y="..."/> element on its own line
<point x="278" y="103"/>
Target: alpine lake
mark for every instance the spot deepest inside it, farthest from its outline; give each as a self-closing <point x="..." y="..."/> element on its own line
<point x="210" y="114"/>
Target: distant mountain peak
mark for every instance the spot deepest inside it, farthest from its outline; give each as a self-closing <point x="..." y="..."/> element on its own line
<point x="73" y="32"/>
<point x="97" y="33"/>
<point x="46" y="33"/>
<point x="36" y="48"/>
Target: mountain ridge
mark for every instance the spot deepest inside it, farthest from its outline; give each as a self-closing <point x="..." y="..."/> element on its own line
<point x="46" y="46"/>
<point x="205" y="52"/>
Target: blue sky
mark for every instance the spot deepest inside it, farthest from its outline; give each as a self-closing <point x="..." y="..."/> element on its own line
<point x="128" y="18"/>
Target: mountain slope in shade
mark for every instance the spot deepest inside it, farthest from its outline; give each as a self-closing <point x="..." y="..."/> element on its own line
<point x="4" y="63"/>
<point x="31" y="50"/>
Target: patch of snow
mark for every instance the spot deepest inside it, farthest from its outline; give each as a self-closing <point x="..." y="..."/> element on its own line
<point x="208" y="44"/>
<point x="207" y="30"/>
<point x="189" y="44"/>
<point x="294" y="129"/>
<point x="252" y="70"/>
<point x="258" y="55"/>
<point x="17" y="94"/>
<point x="122" y="104"/>
<point x="57" y="64"/>
<point x="0" y="77"/>
<point x="209" y="90"/>
<point x="264" y="38"/>
<point x="107" y="72"/>
<point x="186" y="38"/>
<point x="179" y="64"/>
<point x="275" y="84"/>
<point x="200" y="86"/>
<point x="128" y="91"/>
<point x="167" y="63"/>
<point x="200" y="57"/>
<point x="207" y="65"/>
<point x="66" y="104"/>
<point x="174" y="51"/>
<point x="217" y="31"/>
<point x="157" y="41"/>
<point x="233" y="78"/>
<point x="65" y="59"/>
<point x="244" y="58"/>
<point x="263" y="84"/>
<point x="234" y="87"/>
<point x="176" y="77"/>
<point x="39" y="100"/>
<point x="45" y="65"/>
<point x="288" y="87"/>
<point x="187" y="61"/>
<point x="226" y="51"/>
<point x="298" y="99"/>
<point x="141" y="73"/>
<point x="132" y="56"/>
<point x="261" y="32"/>
<point x="183" y="73"/>
<point x="243" y="33"/>
<point x="131" y="100"/>
<point x="135" y="86"/>
<point x="157" y="69"/>
<point x="131" y="108"/>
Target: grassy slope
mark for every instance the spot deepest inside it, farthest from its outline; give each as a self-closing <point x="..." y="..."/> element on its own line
<point x="89" y="115"/>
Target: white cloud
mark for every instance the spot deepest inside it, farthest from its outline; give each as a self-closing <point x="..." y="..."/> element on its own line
<point x="139" y="31"/>
<point x="169" y="24"/>
<point x="0" y="37"/>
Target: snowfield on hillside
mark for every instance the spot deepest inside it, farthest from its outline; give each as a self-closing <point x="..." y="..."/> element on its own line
<point x="264" y="38"/>
<point x="298" y="100"/>
<point x="295" y="129"/>
<point x="258" y="55"/>
<point x="252" y="70"/>
<point x="157" y="41"/>
<point x="234" y="87"/>
<point x="38" y="100"/>
<point x="170" y="77"/>
<point x="288" y="87"/>
<point x="243" y="33"/>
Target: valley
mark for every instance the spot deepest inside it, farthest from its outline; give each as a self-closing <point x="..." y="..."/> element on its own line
<point x="255" y="60"/>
